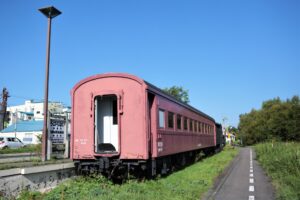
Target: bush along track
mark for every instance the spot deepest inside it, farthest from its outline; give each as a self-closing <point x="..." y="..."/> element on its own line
<point x="281" y="161"/>
<point x="189" y="183"/>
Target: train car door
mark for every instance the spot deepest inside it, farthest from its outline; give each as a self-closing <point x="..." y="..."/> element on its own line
<point x="106" y="124"/>
<point x="150" y="121"/>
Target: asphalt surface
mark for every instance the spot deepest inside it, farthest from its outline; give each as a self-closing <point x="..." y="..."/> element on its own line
<point x="244" y="179"/>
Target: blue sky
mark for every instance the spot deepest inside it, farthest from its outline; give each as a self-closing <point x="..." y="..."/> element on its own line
<point x="230" y="55"/>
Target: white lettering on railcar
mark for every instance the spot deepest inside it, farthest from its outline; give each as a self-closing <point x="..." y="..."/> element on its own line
<point x="160" y="144"/>
<point x="82" y="141"/>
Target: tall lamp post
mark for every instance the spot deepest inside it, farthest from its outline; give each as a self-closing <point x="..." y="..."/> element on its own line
<point x="50" y="13"/>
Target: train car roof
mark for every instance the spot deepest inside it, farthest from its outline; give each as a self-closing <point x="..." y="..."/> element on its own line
<point x="159" y="91"/>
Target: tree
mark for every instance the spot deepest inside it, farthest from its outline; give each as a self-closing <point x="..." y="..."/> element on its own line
<point x="179" y="93"/>
<point x="276" y="119"/>
<point x="233" y="130"/>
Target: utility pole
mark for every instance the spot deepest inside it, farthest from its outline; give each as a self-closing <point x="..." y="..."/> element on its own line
<point x="3" y="107"/>
<point x="224" y="125"/>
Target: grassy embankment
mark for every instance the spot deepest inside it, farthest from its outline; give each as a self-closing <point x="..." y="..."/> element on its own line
<point x="189" y="183"/>
<point x="281" y="161"/>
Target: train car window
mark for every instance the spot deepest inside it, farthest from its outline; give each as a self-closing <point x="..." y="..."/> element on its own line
<point x="199" y="127"/>
<point x="191" y="125"/>
<point x="195" y="126"/>
<point x="161" y="116"/>
<point x="178" y="122"/>
<point x="115" y="112"/>
<point x="185" y="123"/>
<point x="170" y="120"/>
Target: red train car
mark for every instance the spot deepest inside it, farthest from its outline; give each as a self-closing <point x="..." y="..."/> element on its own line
<point x="122" y="123"/>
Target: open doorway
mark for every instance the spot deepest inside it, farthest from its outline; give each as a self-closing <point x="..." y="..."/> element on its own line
<point x="106" y="124"/>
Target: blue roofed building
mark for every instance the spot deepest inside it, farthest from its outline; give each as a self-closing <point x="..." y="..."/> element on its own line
<point x="26" y="131"/>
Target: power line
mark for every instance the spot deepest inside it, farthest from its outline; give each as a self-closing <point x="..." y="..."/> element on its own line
<point x="26" y="98"/>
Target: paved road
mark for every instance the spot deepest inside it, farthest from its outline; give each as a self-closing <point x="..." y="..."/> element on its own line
<point x="244" y="180"/>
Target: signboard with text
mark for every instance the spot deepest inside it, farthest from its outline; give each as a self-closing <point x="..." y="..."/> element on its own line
<point x="57" y="127"/>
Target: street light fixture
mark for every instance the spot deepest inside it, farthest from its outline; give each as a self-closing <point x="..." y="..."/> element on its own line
<point x="50" y="13"/>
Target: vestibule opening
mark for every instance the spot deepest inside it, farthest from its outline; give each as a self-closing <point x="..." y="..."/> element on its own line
<point x="106" y="124"/>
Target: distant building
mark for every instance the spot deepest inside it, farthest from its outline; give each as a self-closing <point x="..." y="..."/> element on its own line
<point x="32" y="110"/>
<point x="230" y="137"/>
<point x="26" y="131"/>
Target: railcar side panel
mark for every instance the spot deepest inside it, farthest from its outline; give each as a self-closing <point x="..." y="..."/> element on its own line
<point x="169" y="141"/>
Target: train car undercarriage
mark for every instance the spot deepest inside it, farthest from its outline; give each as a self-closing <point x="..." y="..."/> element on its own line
<point x="116" y="169"/>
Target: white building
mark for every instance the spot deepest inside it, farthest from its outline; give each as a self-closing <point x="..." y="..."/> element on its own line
<point x="32" y="110"/>
<point x="230" y="138"/>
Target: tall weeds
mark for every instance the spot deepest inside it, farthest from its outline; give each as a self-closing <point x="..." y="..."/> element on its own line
<point x="282" y="163"/>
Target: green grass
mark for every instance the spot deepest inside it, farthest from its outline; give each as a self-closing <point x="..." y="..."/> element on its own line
<point x="189" y="183"/>
<point x="26" y="149"/>
<point x="281" y="161"/>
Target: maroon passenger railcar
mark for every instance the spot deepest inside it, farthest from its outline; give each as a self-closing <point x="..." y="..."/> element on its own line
<point x="121" y="122"/>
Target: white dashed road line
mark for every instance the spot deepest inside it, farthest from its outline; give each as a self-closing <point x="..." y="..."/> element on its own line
<point x="251" y="188"/>
<point x="251" y="180"/>
<point x="251" y="198"/>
